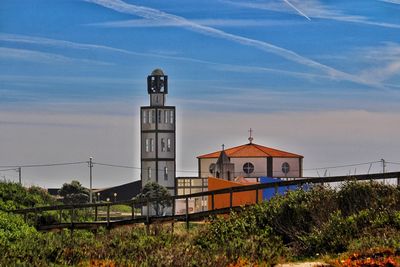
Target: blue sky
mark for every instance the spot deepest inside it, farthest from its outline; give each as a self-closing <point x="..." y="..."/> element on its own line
<point x="247" y="59"/>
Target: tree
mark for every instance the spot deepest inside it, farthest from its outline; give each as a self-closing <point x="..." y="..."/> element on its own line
<point x="154" y="190"/>
<point x="74" y="193"/>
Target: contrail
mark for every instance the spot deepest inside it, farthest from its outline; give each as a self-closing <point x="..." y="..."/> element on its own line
<point x="154" y="14"/>
<point x="298" y="10"/>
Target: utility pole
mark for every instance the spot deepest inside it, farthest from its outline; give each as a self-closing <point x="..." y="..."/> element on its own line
<point x="383" y="168"/>
<point x="19" y="175"/>
<point x="90" y="175"/>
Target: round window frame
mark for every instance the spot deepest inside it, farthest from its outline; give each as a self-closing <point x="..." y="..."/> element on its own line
<point x="285" y="170"/>
<point x="211" y="168"/>
<point x="246" y="170"/>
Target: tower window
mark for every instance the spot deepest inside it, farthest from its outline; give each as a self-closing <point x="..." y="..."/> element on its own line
<point x="149" y="173"/>
<point x="165" y="116"/>
<point x="153" y="116"/>
<point x="171" y="117"/>
<point x="151" y="144"/>
<point x="162" y="144"/>
<point x="165" y="173"/>
<point x="248" y="167"/>
<point x="168" y="144"/>
<point x="145" y="116"/>
<point x="159" y="116"/>
<point x="147" y="145"/>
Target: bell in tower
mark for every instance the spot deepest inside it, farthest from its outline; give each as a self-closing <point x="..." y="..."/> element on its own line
<point x="157" y="87"/>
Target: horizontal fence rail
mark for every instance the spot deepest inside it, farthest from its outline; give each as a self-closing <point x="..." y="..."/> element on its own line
<point x="132" y="218"/>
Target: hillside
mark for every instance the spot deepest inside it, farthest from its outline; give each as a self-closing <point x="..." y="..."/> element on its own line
<point x="360" y="221"/>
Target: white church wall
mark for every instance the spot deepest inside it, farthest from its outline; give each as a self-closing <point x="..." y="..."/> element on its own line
<point x="260" y="166"/>
<point x="205" y="167"/>
<point x="294" y="167"/>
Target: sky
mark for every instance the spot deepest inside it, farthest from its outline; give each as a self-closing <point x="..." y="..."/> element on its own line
<point x="316" y="78"/>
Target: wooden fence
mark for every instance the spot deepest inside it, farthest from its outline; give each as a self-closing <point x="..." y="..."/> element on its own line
<point x="110" y="222"/>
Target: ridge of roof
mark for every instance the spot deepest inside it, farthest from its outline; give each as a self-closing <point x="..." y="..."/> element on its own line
<point x="264" y="152"/>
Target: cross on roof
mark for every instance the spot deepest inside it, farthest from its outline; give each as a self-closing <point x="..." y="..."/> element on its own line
<point x="251" y="137"/>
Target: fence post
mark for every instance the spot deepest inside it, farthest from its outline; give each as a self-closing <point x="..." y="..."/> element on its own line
<point x="187" y="213"/>
<point x="256" y="196"/>
<point x="36" y="217"/>
<point x="230" y="197"/>
<point x="60" y="216"/>
<point x="173" y="207"/>
<point x="95" y="213"/>
<point x="148" y="217"/>
<point x="212" y="201"/>
<point x="108" y="214"/>
<point x="133" y="210"/>
<point x="72" y="217"/>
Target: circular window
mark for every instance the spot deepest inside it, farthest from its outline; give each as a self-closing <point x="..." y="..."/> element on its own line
<point x="285" y="168"/>
<point x="248" y="167"/>
<point x="212" y="168"/>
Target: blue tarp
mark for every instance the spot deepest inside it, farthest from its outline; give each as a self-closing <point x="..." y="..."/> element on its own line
<point x="268" y="193"/>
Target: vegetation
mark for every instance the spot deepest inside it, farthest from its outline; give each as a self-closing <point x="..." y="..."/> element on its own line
<point x="15" y="196"/>
<point x="360" y="222"/>
<point x="74" y="193"/>
<point x="154" y="190"/>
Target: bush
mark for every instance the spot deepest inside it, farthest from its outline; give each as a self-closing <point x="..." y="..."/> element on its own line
<point x="15" y="196"/>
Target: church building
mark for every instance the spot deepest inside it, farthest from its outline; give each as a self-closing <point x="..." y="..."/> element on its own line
<point x="250" y="161"/>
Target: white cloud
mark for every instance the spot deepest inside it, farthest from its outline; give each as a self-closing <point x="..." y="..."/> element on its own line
<point x="208" y="22"/>
<point x="157" y="15"/>
<point x="383" y="61"/>
<point x="397" y="2"/>
<point x="297" y="10"/>
<point x="42" y="57"/>
<point x="157" y="54"/>
<point x="313" y="9"/>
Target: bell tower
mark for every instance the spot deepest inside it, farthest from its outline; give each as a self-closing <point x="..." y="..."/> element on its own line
<point x="157" y="131"/>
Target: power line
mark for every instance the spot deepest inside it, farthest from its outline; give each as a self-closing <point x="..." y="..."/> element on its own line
<point x="132" y="167"/>
<point x="396" y="163"/>
<point x="5" y="170"/>
<point x="115" y="166"/>
<point x="15" y="167"/>
<point x="342" y="166"/>
<point x="45" y="165"/>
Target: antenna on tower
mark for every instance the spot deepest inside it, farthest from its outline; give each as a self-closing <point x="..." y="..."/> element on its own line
<point x="251" y="137"/>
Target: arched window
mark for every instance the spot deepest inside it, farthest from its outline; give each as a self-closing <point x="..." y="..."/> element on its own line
<point x="285" y="168"/>
<point x="248" y="167"/>
<point x="211" y="169"/>
<point x="162" y="144"/>
<point x="168" y="144"/>
<point x="165" y="173"/>
<point x="145" y="116"/>
<point x="151" y="144"/>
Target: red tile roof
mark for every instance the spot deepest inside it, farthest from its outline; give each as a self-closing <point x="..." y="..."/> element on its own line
<point x="252" y="150"/>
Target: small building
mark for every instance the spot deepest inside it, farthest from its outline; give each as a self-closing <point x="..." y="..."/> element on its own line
<point x="250" y="161"/>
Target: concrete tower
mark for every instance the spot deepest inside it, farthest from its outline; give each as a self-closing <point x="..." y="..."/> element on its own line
<point x="157" y="131"/>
